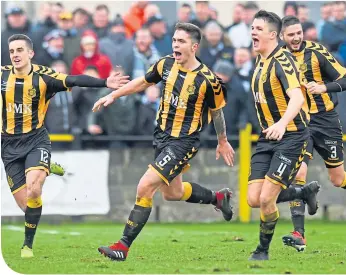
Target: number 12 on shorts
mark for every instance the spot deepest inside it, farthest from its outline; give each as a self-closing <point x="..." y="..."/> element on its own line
<point x="44" y="156"/>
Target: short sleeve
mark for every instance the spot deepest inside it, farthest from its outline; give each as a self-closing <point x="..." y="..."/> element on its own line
<point x="154" y="73"/>
<point x="55" y="81"/>
<point x="288" y="75"/>
<point x="331" y="68"/>
<point x="216" y="93"/>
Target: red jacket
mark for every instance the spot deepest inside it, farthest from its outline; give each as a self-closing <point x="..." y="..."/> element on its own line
<point x="98" y="60"/>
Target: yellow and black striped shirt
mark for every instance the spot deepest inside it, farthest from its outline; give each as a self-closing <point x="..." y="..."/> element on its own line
<point x="25" y="99"/>
<point x="187" y="96"/>
<point x="317" y="64"/>
<point x="272" y="78"/>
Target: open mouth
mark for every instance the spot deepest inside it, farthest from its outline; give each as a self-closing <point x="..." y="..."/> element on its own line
<point x="255" y="41"/>
<point x="296" y="43"/>
<point x="16" y="61"/>
<point x="177" y="54"/>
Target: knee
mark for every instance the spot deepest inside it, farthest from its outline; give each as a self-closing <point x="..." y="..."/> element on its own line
<point x="22" y="205"/>
<point x="172" y="195"/>
<point x="34" y="186"/>
<point x="253" y="201"/>
<point x="266" y="201"/>
<point x="146" y="187"/>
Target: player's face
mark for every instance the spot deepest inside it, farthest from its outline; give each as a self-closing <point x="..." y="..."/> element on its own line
<point x="183" y="46"/>
<point x="20" y="54"/>
<point x="293" y="36"/>
<point x="261" y="35"/>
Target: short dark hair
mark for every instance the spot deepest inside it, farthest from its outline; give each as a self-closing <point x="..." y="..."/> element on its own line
<point x="292" y="4"/>
<point x="289" y="21"/>
<point x="102" y="7"/>
<point x="302" y="6"/>
<point x="202" y="2"/>
<point x="23" y="37"/>
<point x="272" y="19"/>
<point x="186" y="5"/>
<point x="251" y="5"/>
<point x="191" y="29"/>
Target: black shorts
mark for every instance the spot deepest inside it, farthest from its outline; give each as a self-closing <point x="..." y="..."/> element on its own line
<point x="173" y="154"/>
<point x="326" y="138"/>
<point x="279" y="161"/>
<point x="25" y="152"/>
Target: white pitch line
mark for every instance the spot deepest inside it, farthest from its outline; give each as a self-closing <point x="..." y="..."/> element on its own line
<point x="45" y="231"/>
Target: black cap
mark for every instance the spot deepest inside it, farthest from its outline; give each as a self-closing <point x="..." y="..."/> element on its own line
<point x="154" y="19"/>
<point x="118" y="21"/>
<point x="14" y="10"/>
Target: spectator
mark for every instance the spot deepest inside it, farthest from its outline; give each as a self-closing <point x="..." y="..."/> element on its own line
<point x="16" y="22"/>
<point x="84" y="98"/>
<point x="145" y="53"/>
<point x="184" y="15"/>
<point x="342" y="54"/>
<point x="118" y="119"/>
<point x="117" y="47"/>
<point x="303" y="13"/>
<point x="147" y="110"/>
<point x="49" y="15"/>
<point x="202" y="14"/>
<point x="334" y="32"/>
<point x="81" y="19"/>
<point x="244" y="66"/>
<point x="71" y="37"/>
<point x="238" y="10"/>
<point x="235" y="110"/>
<point x="100" y="21"/>
<point x="326" y="13"/>
<point x="150" y="11"/>
<point x="240" y="35"/>
<point x="215" y="46"/>
<point x="290" y="8"/>
<point x="162" y="40"/>
<point x="213" y="14"/>
<point x="91" y="57"/>
<point x="61" y="117"/>
<point x="134" y="18"/>
<point x="45" y="21"/>
<point x="310" y="31"/>
<point x="53" y="49"/>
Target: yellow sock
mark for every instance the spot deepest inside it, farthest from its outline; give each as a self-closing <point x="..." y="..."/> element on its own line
<point x="34" y="203"/>
<point x="343" y="185"/>
<point x="300" y="181"/>
<point x="271" y="217"/>
<point x="144" y="202"/>
<point x="187" y="191"/>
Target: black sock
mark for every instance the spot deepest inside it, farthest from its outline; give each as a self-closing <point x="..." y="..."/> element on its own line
<point x="137" y="220"/>
<point x="267" y="227"/>
<point x="199" y="194"/>
<point x="32" y="217"/>
<point x="290" y="194"/>
<point x="297" y="208"/>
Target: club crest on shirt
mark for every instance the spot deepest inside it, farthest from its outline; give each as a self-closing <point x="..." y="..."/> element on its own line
<point x="264" y="77"/>
<point x="32" y="92"/>
<point x="303" y="67"/>
<point x="191" y="89"/>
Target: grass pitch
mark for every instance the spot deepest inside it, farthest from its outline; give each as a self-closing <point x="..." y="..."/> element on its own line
<point x="176" y="249"/>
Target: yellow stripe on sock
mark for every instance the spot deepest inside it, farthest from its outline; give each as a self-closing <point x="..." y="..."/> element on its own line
<point x="344" y="182"/>
<point x="34" y="203"/>
<point x="300" y="181"/>
<point x="187" y="191"/>
<point x="144" y="202"/>
<point x="271" y="217"/>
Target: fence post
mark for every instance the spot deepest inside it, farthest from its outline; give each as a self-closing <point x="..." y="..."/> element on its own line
<point x="244" y="168"/>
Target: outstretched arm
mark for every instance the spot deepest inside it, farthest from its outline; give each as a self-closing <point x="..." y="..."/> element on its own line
<point x="134" y="86"/>
<point x="114" y="81"/>
<point x="223" y="148"/>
